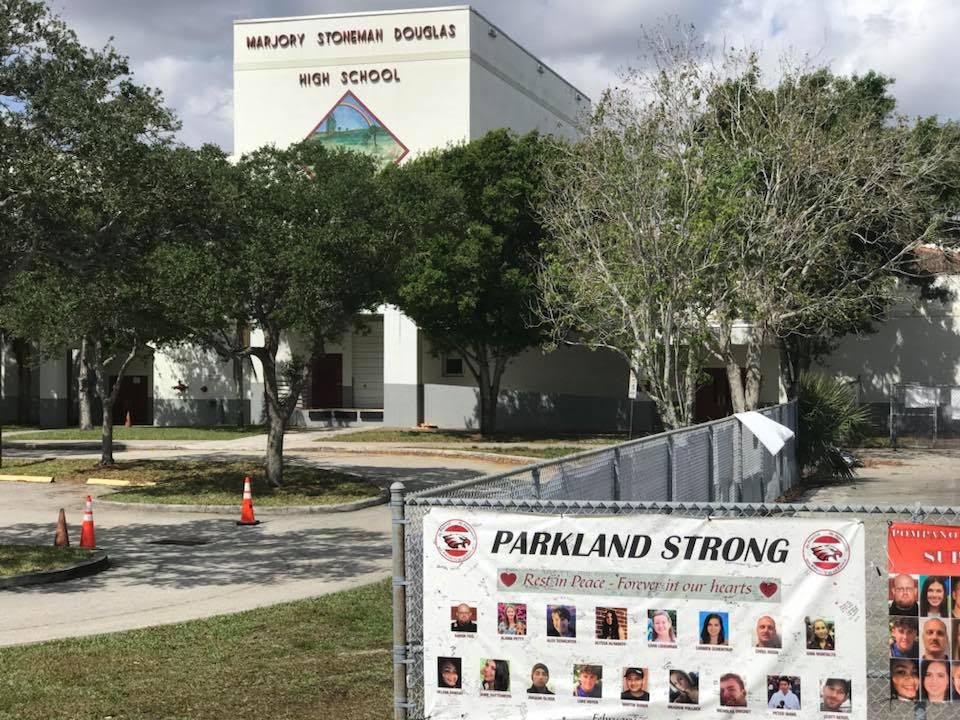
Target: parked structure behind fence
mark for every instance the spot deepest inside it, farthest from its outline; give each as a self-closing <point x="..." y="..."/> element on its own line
<point x="923" y="415"/>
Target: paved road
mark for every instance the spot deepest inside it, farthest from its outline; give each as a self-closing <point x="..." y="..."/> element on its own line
<point x="287" y="557"/>
<point x="901" y="477"/>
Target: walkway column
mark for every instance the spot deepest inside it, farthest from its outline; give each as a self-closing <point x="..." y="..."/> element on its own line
<point x="402" y="396"/>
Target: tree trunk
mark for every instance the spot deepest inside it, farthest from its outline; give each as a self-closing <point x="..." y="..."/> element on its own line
<point x="106" y="402"/>
<point x="85" y="386"/>
<point x="489" y="384"/>
<point x="488" y="403"/>
<point x="276" y="422"/>
<point x="735" y="380"/>
<point x="754" y="371"/>
<point x="796" y="356"/>
<point x="21" y="352"/>
<point x="108" y="398"/>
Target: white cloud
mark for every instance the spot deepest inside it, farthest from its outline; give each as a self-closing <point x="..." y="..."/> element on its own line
<point x="183" y="47"/>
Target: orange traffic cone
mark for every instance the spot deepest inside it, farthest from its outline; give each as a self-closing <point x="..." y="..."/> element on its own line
<point x="128" y="421"/>
<point x="88" y="538"/>
<point x="246" y="511"/>
<point x="61" y="538"/>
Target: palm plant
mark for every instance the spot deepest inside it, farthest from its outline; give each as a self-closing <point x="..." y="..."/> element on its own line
<point x="829" y="418"/>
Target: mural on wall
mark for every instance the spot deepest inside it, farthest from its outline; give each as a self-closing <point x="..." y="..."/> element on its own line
<point x="350" y="125"/>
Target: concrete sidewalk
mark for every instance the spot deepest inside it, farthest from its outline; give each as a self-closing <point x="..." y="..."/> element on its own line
<point x="151" y="582"/>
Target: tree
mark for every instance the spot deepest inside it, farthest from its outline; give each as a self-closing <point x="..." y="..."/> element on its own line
<point x="635" y="212"/>
<point x="703" y="211"/>
<point x="837" y="199"/>
<point x="288" y="240"/>
<point x="468" y="279"/>
<point x="83" y="195"/>
<point x="109" y="302"/>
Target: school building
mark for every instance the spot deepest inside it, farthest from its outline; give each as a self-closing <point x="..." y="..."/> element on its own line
<point x="393" y="84"/>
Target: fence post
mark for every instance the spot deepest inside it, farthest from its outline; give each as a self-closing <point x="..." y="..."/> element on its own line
<point x="671" y="469"/>
<point x="892" y="421"/>
<point x="535" y="474"/>
<point x="398" y="524"/>
<point x="737" y="461"/>
<point x="714" y="490"/>
<point x="616" y="473"/>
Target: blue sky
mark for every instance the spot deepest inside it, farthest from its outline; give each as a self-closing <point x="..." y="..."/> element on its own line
<point x="184" y="48"/>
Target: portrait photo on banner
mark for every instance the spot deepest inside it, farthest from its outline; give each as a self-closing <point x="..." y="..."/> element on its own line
<point x="662" y="627"/>
<point x="611" y="623"/>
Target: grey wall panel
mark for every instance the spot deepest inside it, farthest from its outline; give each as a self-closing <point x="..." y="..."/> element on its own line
<point x="400" y="405"/>
<point x="223" y="411"/>
<point x="51" y="412"/>
<point x="458" y="407"/>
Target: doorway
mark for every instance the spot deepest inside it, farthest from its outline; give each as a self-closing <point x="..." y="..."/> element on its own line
<point x="326" y="387"/>
<point x="132" y="398"/>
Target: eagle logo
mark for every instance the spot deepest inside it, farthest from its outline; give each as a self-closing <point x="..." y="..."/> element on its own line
<point x="456" y="540"/>
<point x="826" y="552"/>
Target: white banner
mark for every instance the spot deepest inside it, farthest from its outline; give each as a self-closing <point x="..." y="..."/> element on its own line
<point x="641" y="616"/>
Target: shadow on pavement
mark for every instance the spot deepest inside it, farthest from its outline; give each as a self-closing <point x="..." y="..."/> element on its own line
<point x="230" y="554"/>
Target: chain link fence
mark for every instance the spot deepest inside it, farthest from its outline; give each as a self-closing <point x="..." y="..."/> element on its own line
<point x="716" y="469"/>
<point x="924" y="415"/>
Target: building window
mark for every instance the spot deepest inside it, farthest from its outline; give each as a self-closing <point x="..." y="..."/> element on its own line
<point x="452" y="366"/>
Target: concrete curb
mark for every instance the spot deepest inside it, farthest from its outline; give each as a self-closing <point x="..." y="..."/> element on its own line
<point x="423" y="452"/>
<point x="27" y="478"/>
<point x="92" y="445"/>
<point x="96" y="564"/>
<point x="380" y="499"/>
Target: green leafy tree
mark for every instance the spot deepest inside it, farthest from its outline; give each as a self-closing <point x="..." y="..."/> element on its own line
<point x="289" y="241"/>
<point x="636" y="211"/>
<point x="468" y="280"/>
<point x="837" y="197"/>
<point x="85" y="192"/>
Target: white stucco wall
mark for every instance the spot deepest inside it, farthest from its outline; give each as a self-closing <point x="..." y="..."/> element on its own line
<point x="400" y="348"/>
<point x="919" y="343"/>
<point x="509" y="87"/>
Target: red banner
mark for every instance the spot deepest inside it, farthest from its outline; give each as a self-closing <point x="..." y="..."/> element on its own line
<point x="916" y="549"/>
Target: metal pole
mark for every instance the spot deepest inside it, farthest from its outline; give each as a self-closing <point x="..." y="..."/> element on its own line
<point x="713" y="492"/>
<point x="535" y="474"/>
<point x="737" y="462"/>
<point x="398" y="524"/>
<point x="892" y="421"/>
<point x="671" y="470"/>
<point x="616" y="473"/>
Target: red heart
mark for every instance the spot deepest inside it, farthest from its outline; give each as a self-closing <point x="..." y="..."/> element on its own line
<point x="768" y="588"/>
<point x="508" y="579"/>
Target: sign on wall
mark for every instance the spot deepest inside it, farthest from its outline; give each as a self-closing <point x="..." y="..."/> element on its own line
<point x="641" y="616"/>
<point x="924" y="612"/>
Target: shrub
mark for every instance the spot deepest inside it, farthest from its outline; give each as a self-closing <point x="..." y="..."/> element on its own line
<point x="829" y="418"/>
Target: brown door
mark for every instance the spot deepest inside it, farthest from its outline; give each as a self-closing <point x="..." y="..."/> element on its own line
<point x="327" y="381"/>
<point x="713" y="397"/>
<point x="132" y="398"/>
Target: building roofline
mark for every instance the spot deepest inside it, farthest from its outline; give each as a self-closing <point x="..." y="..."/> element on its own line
<point x="354" y="14"/>
<point x="253" y="21"/>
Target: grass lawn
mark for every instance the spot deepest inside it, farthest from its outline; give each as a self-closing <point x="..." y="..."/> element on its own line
<point x="147" y="432"/>
<point x="20" y="559"/>
<point x="17" y="428"/>
<point x="183" y="482"/>
<point x="468" y="436"/>
<point x="326" y="657"/>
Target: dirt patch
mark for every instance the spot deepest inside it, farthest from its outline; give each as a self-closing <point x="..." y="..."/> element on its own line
<point x="880" y="462"/>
